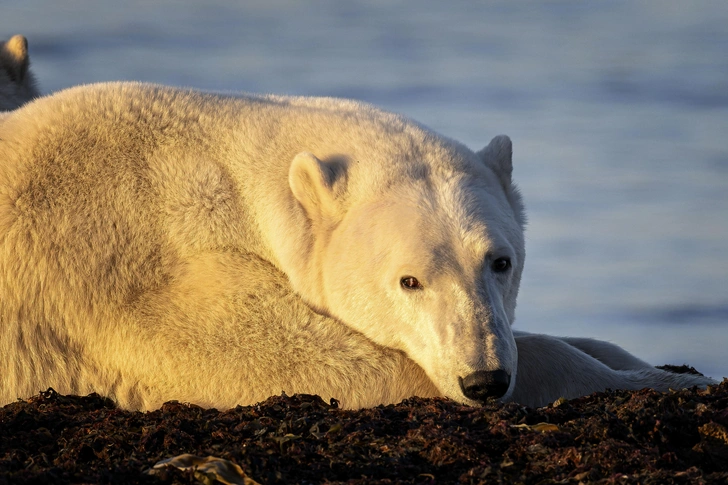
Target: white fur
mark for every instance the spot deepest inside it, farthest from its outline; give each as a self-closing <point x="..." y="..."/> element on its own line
<point x="552" y="367"/>
<point x="17" y="84"/>
<point x="158" y="243"/>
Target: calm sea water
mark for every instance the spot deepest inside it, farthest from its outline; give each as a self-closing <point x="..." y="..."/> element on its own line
<point x="618" y="111"/>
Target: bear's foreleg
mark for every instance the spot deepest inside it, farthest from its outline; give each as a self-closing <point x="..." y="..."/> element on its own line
<point x="228" y="330"/>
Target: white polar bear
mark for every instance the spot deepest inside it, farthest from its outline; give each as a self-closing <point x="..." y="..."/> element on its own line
<point x="158" y="243"/>
<point x="17" y="84"/>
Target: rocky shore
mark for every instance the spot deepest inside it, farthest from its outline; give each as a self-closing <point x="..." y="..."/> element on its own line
<point x="613" y="437"/>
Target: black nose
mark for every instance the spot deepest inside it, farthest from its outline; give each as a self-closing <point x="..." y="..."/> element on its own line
<point x="480" y="385"/>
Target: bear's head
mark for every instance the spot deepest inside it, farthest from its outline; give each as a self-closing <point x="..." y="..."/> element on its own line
<point x="423" y="254"/>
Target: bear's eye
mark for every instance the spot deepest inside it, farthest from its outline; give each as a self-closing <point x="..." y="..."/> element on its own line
<point x="501" y="265"/>
<point x="410" y="283"/>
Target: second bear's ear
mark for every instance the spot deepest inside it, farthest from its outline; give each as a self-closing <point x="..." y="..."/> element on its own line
<point x="498" y="155"/>
<point x="14" y="58"/>
<point x="312" y="184"/>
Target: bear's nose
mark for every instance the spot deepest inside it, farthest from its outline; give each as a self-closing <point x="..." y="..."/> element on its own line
<point x="480" y="385"/>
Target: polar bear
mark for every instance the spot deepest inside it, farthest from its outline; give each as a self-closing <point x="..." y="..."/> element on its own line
<point x="159" y="243"/>
<point x="17" y="84"/>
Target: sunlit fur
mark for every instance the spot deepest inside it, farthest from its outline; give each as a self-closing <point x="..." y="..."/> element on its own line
<point x="158" y="243"/>
<point x="17" y="84"/>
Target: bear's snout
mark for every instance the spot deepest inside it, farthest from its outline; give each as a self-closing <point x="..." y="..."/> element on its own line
<point x="481" y="385"/>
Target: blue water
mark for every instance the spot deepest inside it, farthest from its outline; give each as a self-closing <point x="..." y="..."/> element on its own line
<point x="618" y="111"/>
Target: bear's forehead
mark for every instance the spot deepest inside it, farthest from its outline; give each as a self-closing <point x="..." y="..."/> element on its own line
<point x="455" y="211"/>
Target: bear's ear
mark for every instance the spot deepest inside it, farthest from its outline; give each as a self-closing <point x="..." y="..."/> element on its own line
<point x="498" y="155"/>
<point x="312" y="184"/>
<point x="14" y="58"/>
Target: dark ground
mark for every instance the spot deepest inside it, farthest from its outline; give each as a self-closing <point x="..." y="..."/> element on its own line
<point x="614" y="437"/>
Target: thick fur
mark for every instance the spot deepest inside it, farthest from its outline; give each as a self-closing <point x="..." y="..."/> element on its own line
<point x="160" y="244"/>
<point x="110" y="193"/>
<point x="17" y="84"/>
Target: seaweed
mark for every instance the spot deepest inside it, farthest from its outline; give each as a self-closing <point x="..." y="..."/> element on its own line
<point x="610" y="437"/>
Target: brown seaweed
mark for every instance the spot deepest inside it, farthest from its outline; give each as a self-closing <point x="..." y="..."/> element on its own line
<point x="611" y="437"/>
